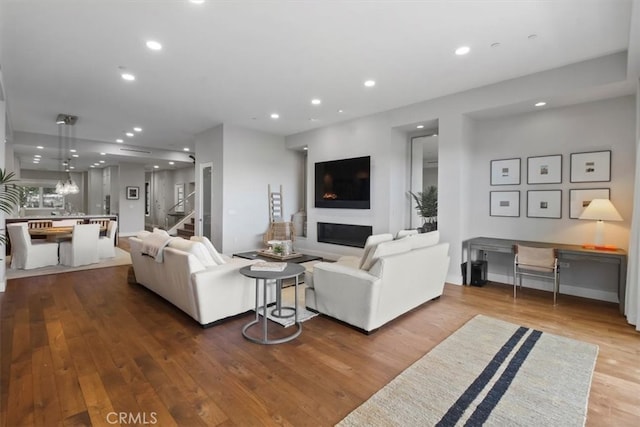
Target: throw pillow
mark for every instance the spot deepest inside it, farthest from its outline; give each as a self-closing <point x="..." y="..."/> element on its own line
<point x="404" y="233"/>
<point x="425" y="239"/>
<point x="212" y="249"/>
<point x="369" y="247"/>
<point x="160" y="231"/>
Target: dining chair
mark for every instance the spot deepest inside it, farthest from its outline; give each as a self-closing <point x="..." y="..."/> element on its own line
<point x="107" y="244"/>
<point x="26" y="254"/>
<point x="40" y="223"/>
<point x="104" y="222"/>
<point x="83" y="247"/>
<point x="536" y="262"/>
<point x="67" y="222"/>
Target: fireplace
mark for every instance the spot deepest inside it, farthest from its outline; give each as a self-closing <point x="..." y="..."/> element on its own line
<point x="344" y="234"/>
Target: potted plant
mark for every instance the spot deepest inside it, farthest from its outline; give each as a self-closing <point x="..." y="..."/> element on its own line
<point x="9" y="196"/>
<point x="427" y="208"/>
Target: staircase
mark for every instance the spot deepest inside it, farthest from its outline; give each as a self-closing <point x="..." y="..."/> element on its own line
<point x="187" y="229"/>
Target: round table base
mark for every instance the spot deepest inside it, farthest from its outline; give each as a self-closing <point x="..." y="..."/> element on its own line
<point x="266" y="340"/>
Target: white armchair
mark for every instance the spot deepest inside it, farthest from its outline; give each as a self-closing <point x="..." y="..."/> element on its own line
<point x="83" y="247"/>
<point x="107" y="244"/>
<point x="28" y="255"/>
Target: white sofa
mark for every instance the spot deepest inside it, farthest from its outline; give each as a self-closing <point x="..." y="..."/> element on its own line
<point x="191" y="279"/>
<point x="395" y="277"/>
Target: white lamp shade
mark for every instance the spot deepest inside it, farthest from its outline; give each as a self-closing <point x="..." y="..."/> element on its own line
<point x="601" y="210"/>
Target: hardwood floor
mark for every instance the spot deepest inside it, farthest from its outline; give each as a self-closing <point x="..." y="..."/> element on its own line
<point x="85" y="348"/>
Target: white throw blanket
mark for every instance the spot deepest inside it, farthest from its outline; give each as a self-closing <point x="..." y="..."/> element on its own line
<point x="153" y="245"/>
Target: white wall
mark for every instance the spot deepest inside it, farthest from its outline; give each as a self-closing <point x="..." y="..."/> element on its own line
<point x="3" y="277"/>
<point x="131" y="212"/>
<point x="264" y="160"/>
<point x="369" y="136"/>
<point x="596" y="126"/>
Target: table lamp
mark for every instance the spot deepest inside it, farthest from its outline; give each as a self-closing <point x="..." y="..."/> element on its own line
<point x="600" y="210"/>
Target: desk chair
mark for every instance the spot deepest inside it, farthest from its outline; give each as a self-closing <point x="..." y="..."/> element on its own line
<point x="27" y="255"/>
<point x="536" y="262"/>
<point x="83" y="247"/>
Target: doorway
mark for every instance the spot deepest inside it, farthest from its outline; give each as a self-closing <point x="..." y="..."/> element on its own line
<point x="205" y="207"/>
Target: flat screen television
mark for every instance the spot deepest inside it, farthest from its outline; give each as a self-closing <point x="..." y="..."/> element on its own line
<point x="343" y="184"/>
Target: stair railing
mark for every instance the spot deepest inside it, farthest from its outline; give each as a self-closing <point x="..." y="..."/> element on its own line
<point x="174" y="217"/>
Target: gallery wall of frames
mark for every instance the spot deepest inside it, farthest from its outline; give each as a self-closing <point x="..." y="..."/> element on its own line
<point x="593" y="167"/>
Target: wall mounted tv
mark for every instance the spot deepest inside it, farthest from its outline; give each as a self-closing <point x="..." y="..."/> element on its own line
<point x="343" y="184"/>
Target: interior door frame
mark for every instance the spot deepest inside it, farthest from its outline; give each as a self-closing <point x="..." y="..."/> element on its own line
<point x="200" y="211"/>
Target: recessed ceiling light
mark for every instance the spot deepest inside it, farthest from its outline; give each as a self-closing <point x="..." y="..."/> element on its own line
<point x="172" y="163"/>
<point x="103" y="154"/>
<point x="275" y="115"/>
<point x="340" y="111"/>
<point x="313" y="119"/>
<point x="120" y="140"/>
<point x="316" y="101"/>
<point x="370" y="83"/>
<point x="185" y="149"/>
<point x="37" y="155"/>
<point x="196" y="1"/>
<point x="128" y="77"/>
<point x="540" y="104"/>
<point x="463" y="50"/>
<point x="305" y="148"/>
<point x="137" y="129"/>
<point x="91" y="166"/>
<point x="420" y="127"/>
<point x="75" y="155"/>
<point x="39" y="147"/>
<point x="129" y="134"/>
<point x="435" y="134"/>
<point x="156" y="166"/>
<point x="36" y="161"/>
<point x="101" y="161"/>
<point x="154" y="45"/>
<point x="72" y="167"/>
<point x="97" y="163"/>
<point x="73" y="150"/>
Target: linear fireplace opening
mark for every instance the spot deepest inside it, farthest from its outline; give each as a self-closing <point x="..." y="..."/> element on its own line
<point x="344" y="234"/>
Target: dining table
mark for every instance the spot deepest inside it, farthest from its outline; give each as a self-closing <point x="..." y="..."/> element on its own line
<point x="56" y="234"/>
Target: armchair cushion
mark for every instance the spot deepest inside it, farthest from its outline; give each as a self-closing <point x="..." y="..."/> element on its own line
<point x="387" y="248"/>
<point x="370" y="246"/>
<point x="424" y="240"/>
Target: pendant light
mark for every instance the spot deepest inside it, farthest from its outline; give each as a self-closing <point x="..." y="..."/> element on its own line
<point x="65" y="123"/>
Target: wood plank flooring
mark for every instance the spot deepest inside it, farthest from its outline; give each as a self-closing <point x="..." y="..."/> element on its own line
<point x="85" y="348"/>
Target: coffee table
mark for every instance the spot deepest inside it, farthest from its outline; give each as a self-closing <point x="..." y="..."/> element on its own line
<point x="291" y="271"/>
<point x="257" y="255"/>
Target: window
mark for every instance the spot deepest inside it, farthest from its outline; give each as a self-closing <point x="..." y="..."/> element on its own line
<point x="41" y="198"/>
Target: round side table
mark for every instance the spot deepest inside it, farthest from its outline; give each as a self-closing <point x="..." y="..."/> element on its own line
<point x="291" y="271"/>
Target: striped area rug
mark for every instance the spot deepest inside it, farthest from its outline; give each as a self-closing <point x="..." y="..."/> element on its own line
<point x="489" y="372"/>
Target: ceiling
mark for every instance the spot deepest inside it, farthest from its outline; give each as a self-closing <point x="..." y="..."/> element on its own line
<point x="238" y="62"/>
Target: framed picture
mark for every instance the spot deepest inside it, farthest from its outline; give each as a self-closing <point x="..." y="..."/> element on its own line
<point x="505" y="172"/>
<point x="544" y="169"/>
<point x="504" y="203"/>
<point x="594" y="166"/>
<point x="580" y="199"/>
<point x="133" y="193"/>
<point x="544" y="204"/>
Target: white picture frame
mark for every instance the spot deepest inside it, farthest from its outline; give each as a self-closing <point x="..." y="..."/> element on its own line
<point x="580" y="198"/>
<point x="544" y="169"/>
<point x="504" y="203"/>
<point x="544" y="204"/>
<point x="593" y="166"/>
<point x="505" y="171"/>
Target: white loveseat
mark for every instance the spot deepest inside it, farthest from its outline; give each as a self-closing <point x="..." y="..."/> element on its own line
<point x="395" y="277"/>
<point x="190" y="278"/>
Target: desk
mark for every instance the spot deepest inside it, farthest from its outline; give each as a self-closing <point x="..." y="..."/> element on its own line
<point x="565" y="253"/>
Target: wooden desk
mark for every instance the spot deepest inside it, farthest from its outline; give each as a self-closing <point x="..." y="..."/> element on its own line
<point x="565" y="253"/>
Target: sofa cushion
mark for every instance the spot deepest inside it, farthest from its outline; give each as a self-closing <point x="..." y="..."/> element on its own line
<point x="424" y="240"/>
<point x="370" y="245"/>
<point x="404" y="233"/>
<point x="160" y="231"/>
<point x="210" y="248"/>
<point x="388" y="248"/>
<point x="195" y="248"/>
